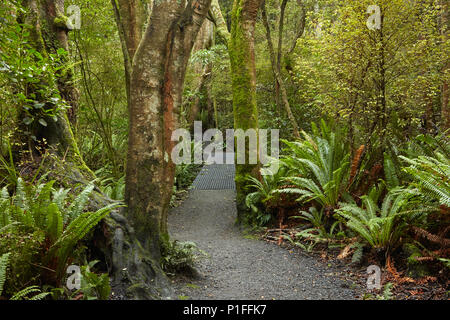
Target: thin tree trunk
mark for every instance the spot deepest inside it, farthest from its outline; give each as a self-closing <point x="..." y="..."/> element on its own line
<point x="445" y="109"/>
<point x="300" y="28"/>
<point x="204" y="41"/>
<point x="277" y="75"/>
<point x="278" y="98"/>
<point x="221" y="26"/>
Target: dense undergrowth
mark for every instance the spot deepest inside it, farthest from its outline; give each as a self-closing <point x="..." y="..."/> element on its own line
<point x="373" y="210"/>
<point x="367" y="184"/>
<point x="42" y="228"/>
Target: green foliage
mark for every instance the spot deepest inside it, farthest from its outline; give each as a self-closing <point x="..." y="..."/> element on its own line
<point x="382" y="227"/>
<point x="208" y="56"/>
<point x="4" y="260"/>
<point x="431" y="176"/>
<point x="31" y="75"/>
<point x="93" y="286"/>
<point x="390" y="172"/>
<point x="43" y="225"/>
<point x="102" y="129"/>
<point x="7" y="165"/>
<point x="344" y="69"/>
<point x="318" y="166"/>
<point x="113" y="188"/>
<point x="179" y="256"/>
<point x="23" y="294"/>
<point x="264" y="197"/>
<point x="386" y="294"/>
<point x="185" y="174"/>
<point x="358" y="253"/>
<point x="318" y="233"/>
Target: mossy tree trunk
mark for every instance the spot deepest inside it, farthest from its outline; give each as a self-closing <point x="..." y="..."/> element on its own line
<point x="49" y="34"/>
<point x="223" y="35"/>
<point x="241" y="49"/>
<point x="156" y="81"/>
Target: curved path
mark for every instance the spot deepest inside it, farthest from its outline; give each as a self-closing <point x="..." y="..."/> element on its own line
<point x="239" y="267"/>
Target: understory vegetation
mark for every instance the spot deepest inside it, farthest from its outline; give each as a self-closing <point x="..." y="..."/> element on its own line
<point x="396" y="207"/>
<point x="86" y="117"/>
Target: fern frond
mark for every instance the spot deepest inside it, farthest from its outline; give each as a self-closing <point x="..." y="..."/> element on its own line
<point x="76" y="231"/>
<point x="4" y="260"/>
<point x="76" y="208"/>
<point x="54" y="222"/>
<point x="25" y="292"/>
<point x="21" y="197"/>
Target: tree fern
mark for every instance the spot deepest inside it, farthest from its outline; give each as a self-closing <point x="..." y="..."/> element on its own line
<point x="76" y="208"/>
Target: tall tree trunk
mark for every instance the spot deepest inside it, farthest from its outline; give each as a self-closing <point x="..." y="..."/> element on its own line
<point x="445" y="109"/>
<point x="49" y="34"/>
<point x="130" y="16"/>
<point x="278" y="89"/>
<point x="242" y="57"/>
<point x="156" y="86"/>
<point x="221" y="26"/>
<point x="204" y="40"/>
<point x="276" y="68"/>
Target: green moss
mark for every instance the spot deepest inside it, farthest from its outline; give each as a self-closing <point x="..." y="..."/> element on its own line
<point x="244" y="94"/>
<point x="61" y="22"/>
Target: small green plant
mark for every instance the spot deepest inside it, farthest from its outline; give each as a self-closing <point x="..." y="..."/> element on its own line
<point x="185" y="174"/>
<point x="264" y="196"/>
<point x="113" y="188"/>
<point x="93" y="286"/>
<point x="386" y="294"/>
<point x="179" y="256"/>
<point x="318" y="233"/>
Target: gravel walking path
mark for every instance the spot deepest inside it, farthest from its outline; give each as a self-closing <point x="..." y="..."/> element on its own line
<point x="239" y="267"/>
